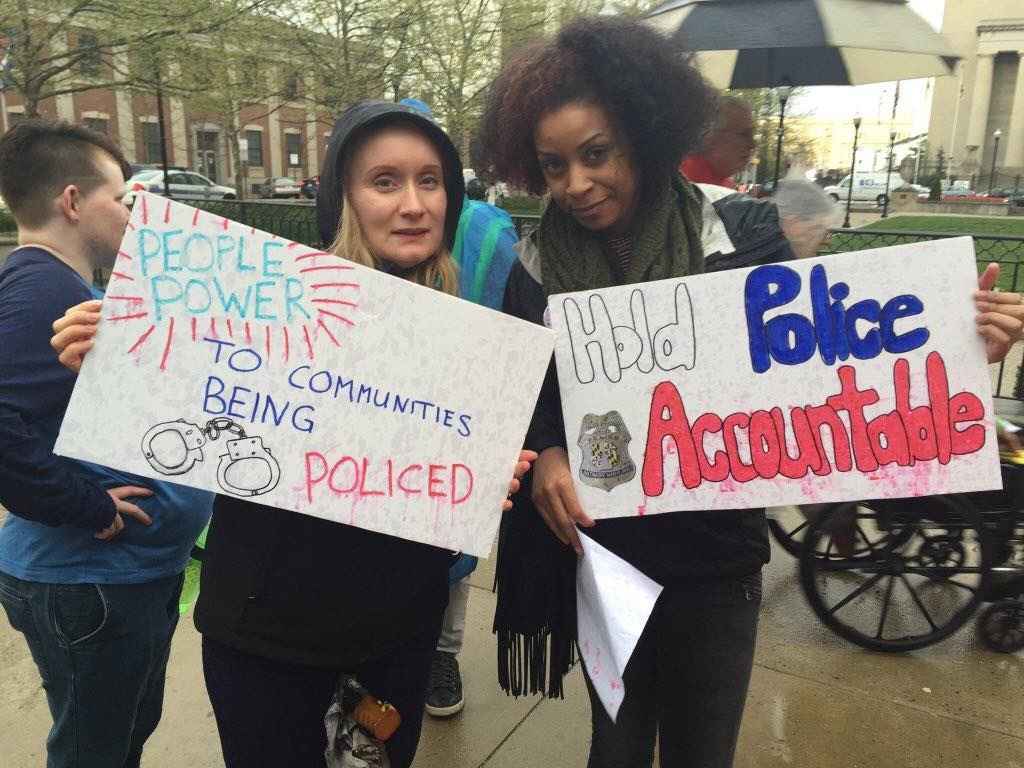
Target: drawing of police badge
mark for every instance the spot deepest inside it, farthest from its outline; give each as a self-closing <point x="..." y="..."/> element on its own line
<point x="603" y="442"/>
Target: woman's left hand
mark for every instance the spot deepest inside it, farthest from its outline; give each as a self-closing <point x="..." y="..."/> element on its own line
<point x="526" y="459"/>
<point x="1000" y="315"/>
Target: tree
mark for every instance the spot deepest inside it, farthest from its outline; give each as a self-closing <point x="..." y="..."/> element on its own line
<point x="70" y="46"/>
<point x="350" y="49"/>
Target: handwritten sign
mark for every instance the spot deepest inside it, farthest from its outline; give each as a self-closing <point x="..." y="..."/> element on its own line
<point x="837" y="378"/>
<point x="614" y="601"/>
<point x="235" y="361"/>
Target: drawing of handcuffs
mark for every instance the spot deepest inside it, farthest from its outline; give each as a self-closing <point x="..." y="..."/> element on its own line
<point x="240" y="449"/>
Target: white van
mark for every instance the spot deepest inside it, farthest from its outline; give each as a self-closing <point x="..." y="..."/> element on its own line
<point x="866" y="186"/>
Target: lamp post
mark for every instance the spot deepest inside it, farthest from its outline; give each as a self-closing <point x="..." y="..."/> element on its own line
<point x="888" y="174"/>
<point x="853" y="170"/>
<point x="784" y="92"/>
<point x="997" y="134"/>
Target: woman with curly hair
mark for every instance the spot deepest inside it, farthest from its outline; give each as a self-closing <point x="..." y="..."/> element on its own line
<point x="600" y="117"/>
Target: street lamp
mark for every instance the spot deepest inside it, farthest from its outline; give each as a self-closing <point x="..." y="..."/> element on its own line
<point x="995" y="151"/>
<point x="888" y="174"/>
<point x="784" y="92"/>
<point x="853" y="170"/>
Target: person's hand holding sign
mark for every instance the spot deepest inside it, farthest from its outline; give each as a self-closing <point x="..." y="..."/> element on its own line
<point x="73" y="333"/>
<point x="555" y="497"/>
<point x="1000" y="315"/>
<point x="526" y="458"/>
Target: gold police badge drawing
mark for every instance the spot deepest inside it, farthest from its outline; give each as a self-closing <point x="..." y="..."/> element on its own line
<point x="247" y="469"/>
<point x="604" y="444"/>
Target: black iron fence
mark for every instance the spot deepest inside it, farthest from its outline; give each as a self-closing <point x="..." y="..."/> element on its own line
<point x="1006" y="251"/>
<point x="292" y="221"/>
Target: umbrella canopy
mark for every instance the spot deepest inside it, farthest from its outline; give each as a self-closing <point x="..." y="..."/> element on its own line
<point x="767" y="43"/>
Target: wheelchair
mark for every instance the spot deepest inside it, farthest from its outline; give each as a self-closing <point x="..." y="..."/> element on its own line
<point x="901" y="574"/>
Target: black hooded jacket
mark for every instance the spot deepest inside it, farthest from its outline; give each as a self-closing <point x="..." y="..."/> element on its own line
<point x="299" y="589"/>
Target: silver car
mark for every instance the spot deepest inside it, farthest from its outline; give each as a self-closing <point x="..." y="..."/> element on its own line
<point x="185" y="185"/>
<point x="281" y="186"/>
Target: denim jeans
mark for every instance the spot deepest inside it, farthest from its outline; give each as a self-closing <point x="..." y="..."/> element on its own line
<point x="686" y="681"/>
<point x="101" y="650"/>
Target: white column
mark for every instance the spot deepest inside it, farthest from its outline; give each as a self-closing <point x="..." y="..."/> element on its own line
<point x="1015" y="134"/>
<point x="980" y="101"/>
<point x="125" y="118"/>
<point x="276" y="166"/>
<point x="312" y="145"/>
<point x="65" y="102"/>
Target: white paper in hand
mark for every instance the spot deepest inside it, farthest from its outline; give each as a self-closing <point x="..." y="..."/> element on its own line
<point x="613" y="603"/>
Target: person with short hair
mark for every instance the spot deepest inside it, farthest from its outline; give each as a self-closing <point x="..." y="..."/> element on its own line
<point x="91" y="559"/>
<point x="727" y="147"/>
<point x="807" y="215"/>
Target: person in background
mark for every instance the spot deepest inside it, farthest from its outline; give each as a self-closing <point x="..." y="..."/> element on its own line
<point x="91" y="559"/>
<point x="484" y="252"/>
<point x="727" y="147"/>
<point x="807" y="214"/>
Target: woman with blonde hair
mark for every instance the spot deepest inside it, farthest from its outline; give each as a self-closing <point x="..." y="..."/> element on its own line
<point x="290" y="601"/>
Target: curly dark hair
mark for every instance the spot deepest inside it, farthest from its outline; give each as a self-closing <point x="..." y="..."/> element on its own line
<point x="650" y="91"/>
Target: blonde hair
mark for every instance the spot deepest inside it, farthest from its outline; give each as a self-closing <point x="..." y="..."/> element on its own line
<point x="439" y="271"/>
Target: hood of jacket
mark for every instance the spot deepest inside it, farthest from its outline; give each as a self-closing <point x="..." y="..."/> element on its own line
<point x="355" y="122"/>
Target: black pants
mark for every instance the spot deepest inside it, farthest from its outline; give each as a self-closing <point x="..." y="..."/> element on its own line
<point x="270" y="714"/>
<point x="686" y="681"/>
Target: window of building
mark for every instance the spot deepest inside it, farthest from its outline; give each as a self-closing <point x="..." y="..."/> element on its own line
<point x="293" y="148"/>
<point x="98" y="124"/>
<point x="89" y="63"/>
<point x="291" y="87"/>
<point x="254" y="140"/>
<point x="151" y="142"/>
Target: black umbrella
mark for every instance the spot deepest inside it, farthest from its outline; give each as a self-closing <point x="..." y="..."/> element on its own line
<point x="767" y="43"/>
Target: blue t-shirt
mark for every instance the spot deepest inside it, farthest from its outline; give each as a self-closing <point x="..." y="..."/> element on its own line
<point x="56" y="504"/>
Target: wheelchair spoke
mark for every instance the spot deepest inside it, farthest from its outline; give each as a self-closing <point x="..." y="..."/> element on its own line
<point x="856" y="593"/>
<point x="792" y="534"/>
<point x="866" y="539"/>
<point x="917" y="599"/>
<point x="885" y="607"/>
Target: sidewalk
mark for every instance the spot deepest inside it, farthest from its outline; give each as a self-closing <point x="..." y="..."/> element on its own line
<point x="814" y="702"/>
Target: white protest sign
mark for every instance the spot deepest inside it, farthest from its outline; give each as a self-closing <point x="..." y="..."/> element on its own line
<point x="235" y="361"/>
<point x="853" y="376"/>
<point x="613" y="603"/>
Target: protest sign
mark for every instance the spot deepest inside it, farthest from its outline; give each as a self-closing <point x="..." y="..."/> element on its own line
<point x="844" y="377"/>
<point x="233" y="360"/>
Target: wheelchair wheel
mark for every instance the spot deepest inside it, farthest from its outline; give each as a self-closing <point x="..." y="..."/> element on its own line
<point x="1001" y="626"/>
<point x="921" y="579"/>
<point x="788" y="526"/>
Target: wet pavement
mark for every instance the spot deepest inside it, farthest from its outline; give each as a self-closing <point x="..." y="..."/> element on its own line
<point x="814" y="701"/>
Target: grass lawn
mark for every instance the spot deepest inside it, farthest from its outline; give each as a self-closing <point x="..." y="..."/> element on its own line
<point x="1010" y="254"/>
<point x="961" y="225"/>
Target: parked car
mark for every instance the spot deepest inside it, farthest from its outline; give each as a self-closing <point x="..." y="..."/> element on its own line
<point x="137" y="168"/>
<point x="280" y="186"/>
<point x="310" y="187"/>
<point x="184" y="185"/>
<point x="866" y="186"/>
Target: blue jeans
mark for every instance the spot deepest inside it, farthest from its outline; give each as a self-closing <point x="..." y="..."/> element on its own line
<point x="686" y="682"/>
<point x="101" y="650"/>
